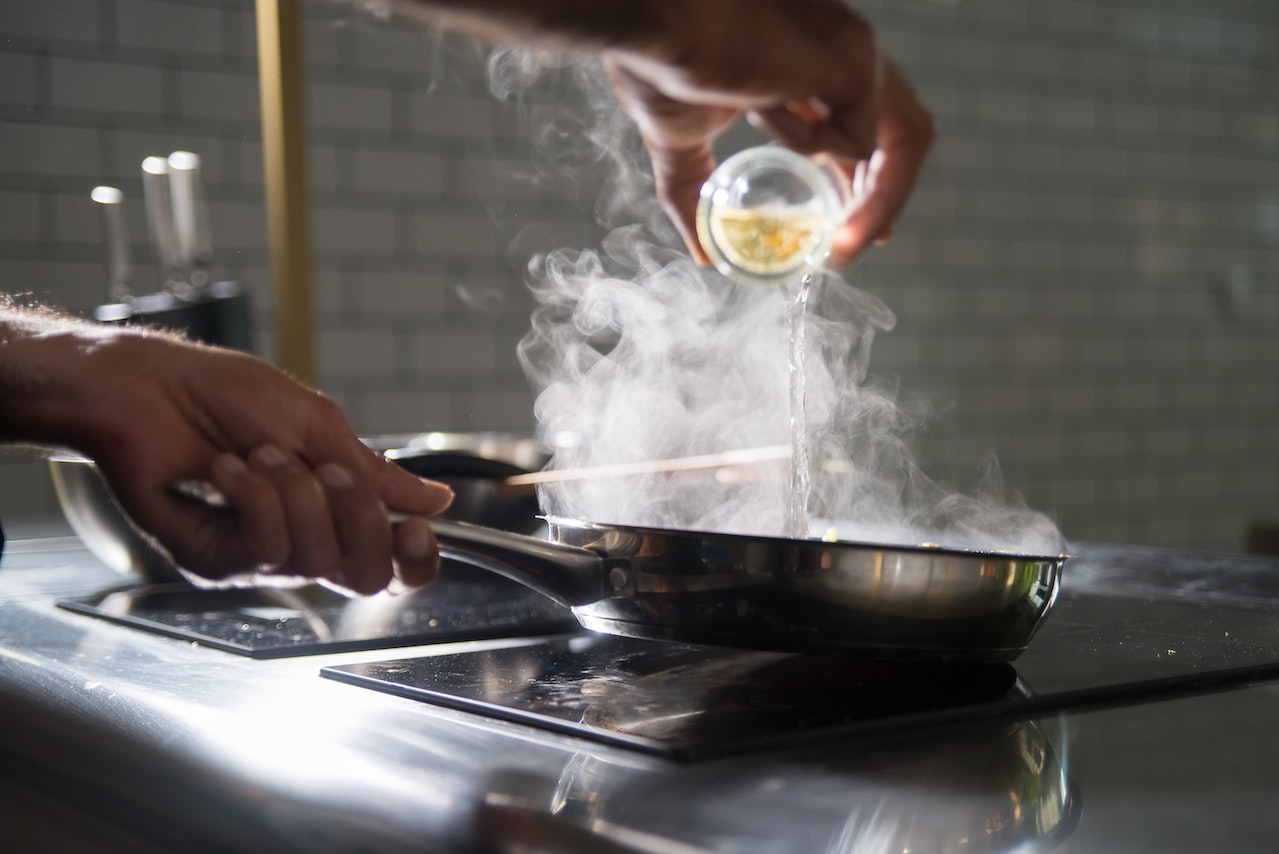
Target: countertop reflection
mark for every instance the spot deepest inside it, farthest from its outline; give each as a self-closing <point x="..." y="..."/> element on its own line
<point x="155" y="740"/>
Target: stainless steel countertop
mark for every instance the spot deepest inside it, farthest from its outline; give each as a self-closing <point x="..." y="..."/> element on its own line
<point x="112" y="738"/>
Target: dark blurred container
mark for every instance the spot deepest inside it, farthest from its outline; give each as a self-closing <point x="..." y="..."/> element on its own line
<point x="1263" y="539"/>
<point x="218" y="314"/>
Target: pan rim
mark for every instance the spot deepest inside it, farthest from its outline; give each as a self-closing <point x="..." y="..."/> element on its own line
<point x="848" y="545"/>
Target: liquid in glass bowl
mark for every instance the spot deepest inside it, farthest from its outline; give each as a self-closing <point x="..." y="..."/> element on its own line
<point x="767" y="214"/>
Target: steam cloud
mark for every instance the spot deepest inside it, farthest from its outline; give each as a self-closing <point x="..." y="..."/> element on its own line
<point x="638" y="354"/>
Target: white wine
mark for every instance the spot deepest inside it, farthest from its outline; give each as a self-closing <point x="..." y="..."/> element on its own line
<point x="767" y="215"/>
<point x="765" y="241"/>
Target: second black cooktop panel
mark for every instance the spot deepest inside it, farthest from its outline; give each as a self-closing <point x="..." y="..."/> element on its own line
<point x="464" y="603"/>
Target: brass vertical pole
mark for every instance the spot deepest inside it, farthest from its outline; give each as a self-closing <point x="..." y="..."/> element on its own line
<point x="284" y="159"/>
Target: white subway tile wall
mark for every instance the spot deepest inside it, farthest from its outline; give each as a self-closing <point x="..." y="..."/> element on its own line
<point x="1086" y="282"/>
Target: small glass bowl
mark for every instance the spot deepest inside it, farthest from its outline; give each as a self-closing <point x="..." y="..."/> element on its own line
<point x="767" y="214"/>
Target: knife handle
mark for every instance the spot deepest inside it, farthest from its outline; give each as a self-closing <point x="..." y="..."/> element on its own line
<point x="159" y="201"/>
<point x="193" y="236"/>
<point x="115" y="241"/>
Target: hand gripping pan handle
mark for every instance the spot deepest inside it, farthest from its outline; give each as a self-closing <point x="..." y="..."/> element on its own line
<point x="570" y="575"/>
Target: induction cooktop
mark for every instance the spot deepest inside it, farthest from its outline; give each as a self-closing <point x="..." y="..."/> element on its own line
<point x="1105" y="644"/>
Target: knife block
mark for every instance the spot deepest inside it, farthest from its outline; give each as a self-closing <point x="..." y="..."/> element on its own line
<point x="218" y="315"/>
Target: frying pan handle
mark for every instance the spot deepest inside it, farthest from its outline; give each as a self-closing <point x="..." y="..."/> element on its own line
<point x="567" y="574"/>
<point x="570" y="575"/>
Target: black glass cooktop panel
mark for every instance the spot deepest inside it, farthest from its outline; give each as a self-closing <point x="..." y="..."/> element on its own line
<point x="689" y="701"/>
<point x="463" y="603"/>
<point x="683" y="700"/>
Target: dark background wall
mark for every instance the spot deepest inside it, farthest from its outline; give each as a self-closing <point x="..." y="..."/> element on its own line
<point x="1086" y="282"/>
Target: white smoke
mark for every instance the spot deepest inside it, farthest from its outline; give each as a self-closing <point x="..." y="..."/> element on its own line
<point x="639" y="355"/>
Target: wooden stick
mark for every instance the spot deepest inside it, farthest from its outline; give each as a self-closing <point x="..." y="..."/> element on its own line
<point x="742" y="457"/>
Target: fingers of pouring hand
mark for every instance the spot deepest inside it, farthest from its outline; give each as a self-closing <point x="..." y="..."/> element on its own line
<point x="679" y="175"/>
<point x="679" y="136"/>
<point x="799" y="126"/>
<point x="905" y="134"/>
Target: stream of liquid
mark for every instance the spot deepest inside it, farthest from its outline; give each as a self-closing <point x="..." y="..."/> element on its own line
<point x="797" y="522"/>
<point x="773" y="242"/>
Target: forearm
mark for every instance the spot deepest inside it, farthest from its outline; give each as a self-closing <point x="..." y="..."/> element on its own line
<point x="37" y="349"/>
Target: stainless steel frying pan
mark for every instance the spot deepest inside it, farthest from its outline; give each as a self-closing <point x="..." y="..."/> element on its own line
<point x="773" y="592"/>
<point x="915" y="602"/>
